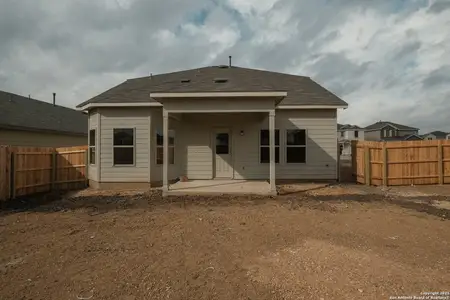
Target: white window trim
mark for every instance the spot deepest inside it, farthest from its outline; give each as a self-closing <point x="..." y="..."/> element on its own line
<point x="124" y="146"/>
<point x="286" y="146"/>
<point x="268" y="146"/>
<point x="162" y="147"/>
<point x="95" y="145"/>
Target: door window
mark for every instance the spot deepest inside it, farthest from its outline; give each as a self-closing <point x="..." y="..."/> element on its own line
<point x="222" y="143"/>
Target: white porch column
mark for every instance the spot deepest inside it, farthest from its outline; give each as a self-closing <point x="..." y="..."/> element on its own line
<point x="165" y="151"/>
<point x="273" y="188"/>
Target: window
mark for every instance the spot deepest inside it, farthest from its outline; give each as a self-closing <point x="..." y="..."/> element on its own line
<point x="356" y="133"/>
<point x="430" y="138"/>
<point x="92" y="146"/>
<point x="123" y="146"/>
<point x="160" y="147"/>
<point x="264" y="146"/>
<point x="296" y="146"/>
<point x="342" y="133"/>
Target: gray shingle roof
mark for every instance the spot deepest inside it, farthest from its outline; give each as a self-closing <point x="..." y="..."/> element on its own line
<point x="18" y="112"/>
<point x="437" y="133"/>
<point x="300" y="89"/>
<point x="348" y="127"/>
<point x="381" y="124"/>
<point x="411" y="137"/>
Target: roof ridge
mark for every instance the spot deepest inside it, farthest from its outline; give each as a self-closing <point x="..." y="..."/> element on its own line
<point x="37" y="100"/>
<point x="168" y="73"/>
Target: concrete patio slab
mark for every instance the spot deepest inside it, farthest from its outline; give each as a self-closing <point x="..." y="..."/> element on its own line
<point x="216" y="186"/>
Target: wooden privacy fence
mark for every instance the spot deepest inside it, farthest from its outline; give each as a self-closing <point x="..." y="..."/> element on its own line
<point x="29" y="170"/>
<point x="401" y="163"/>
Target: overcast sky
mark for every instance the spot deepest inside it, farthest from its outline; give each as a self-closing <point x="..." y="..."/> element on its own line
<point x="389" y="59"/>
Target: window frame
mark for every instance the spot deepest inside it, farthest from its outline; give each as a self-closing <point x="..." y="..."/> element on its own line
<point x="162" y="147"/>
<point x="92" y="146"/>
<point x="286" y="146"/>
<point x="356" y="134"/>
<point x="268" y="146"/>
<point x="124" y="146"/>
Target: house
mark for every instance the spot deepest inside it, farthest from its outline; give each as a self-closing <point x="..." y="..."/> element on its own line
<point x="28" y="122"/>
<point x="346" y="134"/>
<point x="435" y="135"/>
<point x="387" y="131"/>
<point x="219" y="122"/>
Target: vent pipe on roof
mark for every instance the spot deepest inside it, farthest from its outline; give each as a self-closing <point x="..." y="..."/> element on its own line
<point x="229" y="61"/>
<point x="54" y="99"/>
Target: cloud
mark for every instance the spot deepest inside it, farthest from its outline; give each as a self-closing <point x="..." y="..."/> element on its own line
<point x="390" y="59"/>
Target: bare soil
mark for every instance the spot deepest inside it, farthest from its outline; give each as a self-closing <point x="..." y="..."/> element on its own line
<point x="311" y="242"/>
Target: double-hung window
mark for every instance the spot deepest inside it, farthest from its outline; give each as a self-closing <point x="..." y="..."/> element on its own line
<point x="295" y="146"/>
<point x="123" y="146"/>
<point x="264" y="146"/>
<point x="92" y="146"/>
<point x="160" y="147"/>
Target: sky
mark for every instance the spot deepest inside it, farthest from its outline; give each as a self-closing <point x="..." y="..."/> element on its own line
<point x="389" y="59"/>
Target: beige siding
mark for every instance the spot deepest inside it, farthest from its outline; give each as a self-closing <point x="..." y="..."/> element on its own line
<point x="237" y="104"/>
<point x="157" y="125"/>
<point x="39" y="139"/>
<point x="193" y="144"/>
<point x="197" y="152"/>
<point x="93" y="124"/>
<point x="321" y="152"/>
<point x="372" y="135"/>
<point x="136" y="118"/>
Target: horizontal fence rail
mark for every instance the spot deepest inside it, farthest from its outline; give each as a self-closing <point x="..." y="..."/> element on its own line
<point x="401" y="163"/>
<point x="30" y="170"/>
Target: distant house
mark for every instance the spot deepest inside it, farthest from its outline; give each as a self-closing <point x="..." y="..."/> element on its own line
<point x="346" y="134"/>
<point x="390" y="131"/>
<point x="29" y="122"/>
<point x="435" y="135"/>
<point x="411" y="137"/>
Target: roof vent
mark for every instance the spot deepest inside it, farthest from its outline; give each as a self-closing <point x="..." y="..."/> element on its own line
<point x="223" y="67"/>
<point x="185" y="80"/>
<point x="220" y="80"/>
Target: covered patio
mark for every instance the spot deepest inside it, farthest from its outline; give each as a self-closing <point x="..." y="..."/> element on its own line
<point x="223" y="180"/>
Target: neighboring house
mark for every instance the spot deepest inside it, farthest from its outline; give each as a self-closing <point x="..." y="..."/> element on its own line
<point x="411" y="137"/>
<point x="210" y="123"/>
<point x="435" y="135"/>
<point x="385" y="130"/>
<point x="346" y="134"/>
<point x="29" y="122"/>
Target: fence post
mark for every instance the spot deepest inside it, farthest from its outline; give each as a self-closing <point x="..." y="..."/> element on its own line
<point x="86" y="168"/>
<point x="53" y="180"/>
<point x="440" y="163"/>
<point x="367" y="165"/>
<point x="12" y="175"/>
<point x="385" y="165"/>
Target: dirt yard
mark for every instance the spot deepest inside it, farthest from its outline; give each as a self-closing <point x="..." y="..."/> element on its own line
<point x="312" y="242"/>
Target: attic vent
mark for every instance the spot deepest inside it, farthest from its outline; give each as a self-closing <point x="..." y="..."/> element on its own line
<point x="220" y="80"/>
<point x="185" y="80"/>
<point x="222" y="67"/>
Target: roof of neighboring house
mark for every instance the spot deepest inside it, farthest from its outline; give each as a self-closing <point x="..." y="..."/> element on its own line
<point x="411" y="137"/>
<point x="18" y="112"/>
<point x="348" y="127"/>
<point x="301" y="90"/>
<point x="380" y="124"/>
<point x="437" y="133"/>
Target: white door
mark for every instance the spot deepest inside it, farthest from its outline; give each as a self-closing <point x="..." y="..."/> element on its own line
<point x="222" y="153"/>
